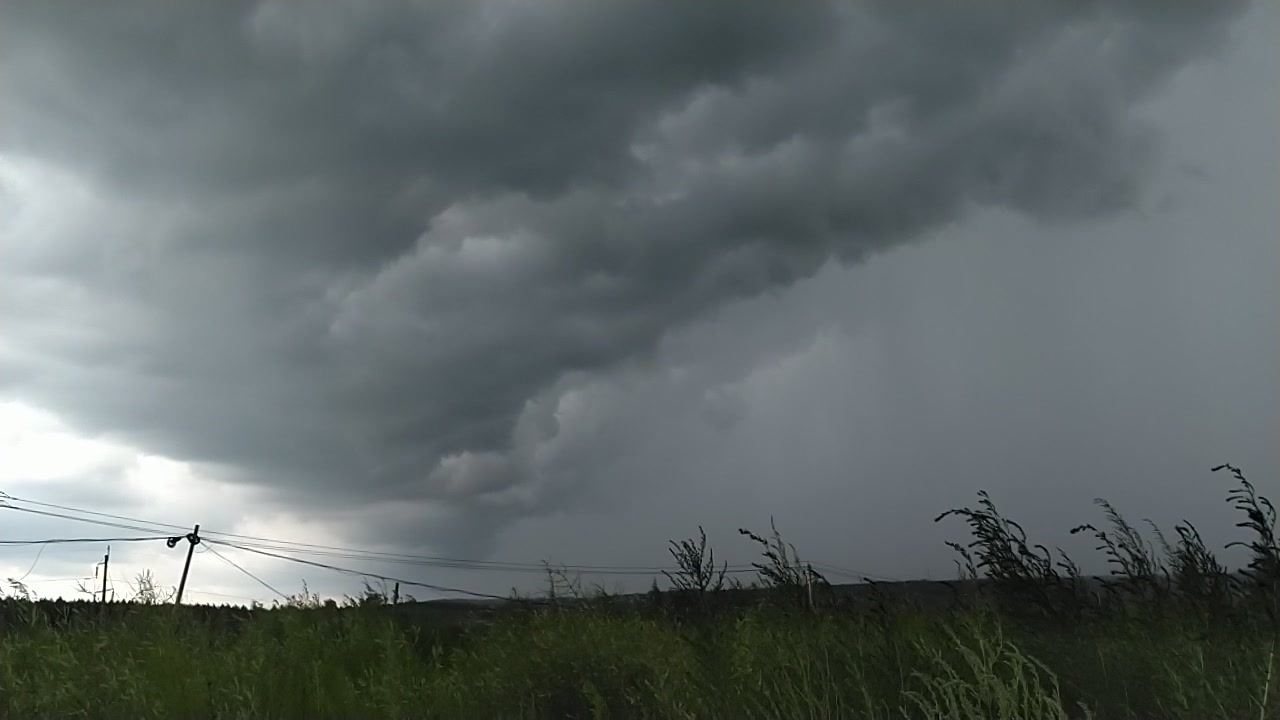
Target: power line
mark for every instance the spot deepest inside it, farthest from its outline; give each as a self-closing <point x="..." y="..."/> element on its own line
<point x="270" y="546"/>
<point x="487" y="565"/>
<point x="102" y="523"/>
<point x="252" y="538"/>
<point x="849" y="573"/>
<point x="349" y="571"/>
<point x="223" y="595"/>
<point x="263" y="543"/>
<point x="433" y="560"/>
<point x="62" y="541"/>
<point x="49" y="580"/>
<point x="235" y="565"/>
<point x="33" y="564"/>
<point x="6" y="496"/>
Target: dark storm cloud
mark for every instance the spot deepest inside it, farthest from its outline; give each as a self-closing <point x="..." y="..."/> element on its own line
<point x="369" y="250"/>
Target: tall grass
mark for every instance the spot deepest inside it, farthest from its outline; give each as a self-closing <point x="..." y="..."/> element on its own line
<point x="1170" y="634"/>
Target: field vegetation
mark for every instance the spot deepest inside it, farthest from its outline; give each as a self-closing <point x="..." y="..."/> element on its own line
<point x="1171" y="633"/>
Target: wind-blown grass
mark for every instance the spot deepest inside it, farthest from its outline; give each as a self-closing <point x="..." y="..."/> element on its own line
<point x="1168" y="636"/>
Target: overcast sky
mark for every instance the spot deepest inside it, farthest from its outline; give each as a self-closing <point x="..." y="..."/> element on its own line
<point x="524" y="281"/>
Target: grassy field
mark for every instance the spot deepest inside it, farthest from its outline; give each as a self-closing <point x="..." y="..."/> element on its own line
<point x="1171" y="635"/>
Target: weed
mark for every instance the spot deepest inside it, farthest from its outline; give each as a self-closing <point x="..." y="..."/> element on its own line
<point x="783" y="572"/>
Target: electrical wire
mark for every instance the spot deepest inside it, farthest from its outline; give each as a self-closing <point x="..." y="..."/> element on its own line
<point x="49" y="580"/>
<point x="490" y="565"/>
<point x="235" y="565"/>
<point x="5" y="496"/>
<point x="102" y="523"/>
<point x="33" y="564"/>
<point x="222" y="595"/>
<point x="851" y="574"/>
<point x="433" y="560"/>
<point x="313" y="549"/>
<point x="270" y="547"/>
<point x="62" y="541"/>
<point x="252" y="538"/>
<point x="349" y="571"/>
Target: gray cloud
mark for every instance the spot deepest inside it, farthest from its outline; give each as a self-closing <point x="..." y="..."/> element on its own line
<point x="355" y="252"/>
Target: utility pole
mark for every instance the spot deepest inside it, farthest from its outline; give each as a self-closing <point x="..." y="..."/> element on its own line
<point x="193" y="538"/>
<point x="106" y="561"/>
<point x="395" y="595"/>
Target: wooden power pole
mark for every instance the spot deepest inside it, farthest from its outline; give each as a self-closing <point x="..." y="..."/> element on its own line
<point x="106" y="562"/>
<point x="193" y="539"/>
